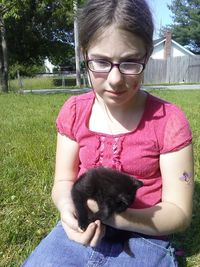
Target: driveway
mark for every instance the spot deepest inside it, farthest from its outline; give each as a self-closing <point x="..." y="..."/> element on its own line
<point x="174" y="87"/>
<point x="83" y="90"/>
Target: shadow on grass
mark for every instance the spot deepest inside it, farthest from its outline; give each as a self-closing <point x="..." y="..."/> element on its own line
<point x="189" y="240"/>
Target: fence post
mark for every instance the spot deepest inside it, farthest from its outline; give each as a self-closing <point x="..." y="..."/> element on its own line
<point x="168" y="69"/>
<point x="63" y="80"/>
<point x="19" y="80"/>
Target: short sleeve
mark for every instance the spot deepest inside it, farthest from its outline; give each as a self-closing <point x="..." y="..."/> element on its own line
<point x="66" y="118"/>
<point x="177" y="132"/>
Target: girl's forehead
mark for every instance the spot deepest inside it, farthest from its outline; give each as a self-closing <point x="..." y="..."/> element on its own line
<point x="117" y="42"/>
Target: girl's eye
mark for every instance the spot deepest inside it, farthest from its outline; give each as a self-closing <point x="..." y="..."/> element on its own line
<point x="102" y="63"/>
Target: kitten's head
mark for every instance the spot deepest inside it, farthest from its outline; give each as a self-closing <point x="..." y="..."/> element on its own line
<point x="119" y="186"/>
<point x="126" y="197"/>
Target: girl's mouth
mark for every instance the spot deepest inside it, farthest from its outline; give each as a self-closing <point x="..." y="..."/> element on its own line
<point x="115" y="93"/>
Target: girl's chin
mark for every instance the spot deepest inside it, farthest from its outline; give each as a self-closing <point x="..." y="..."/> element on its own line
<point x="116" y="96"/>
<point x="118" y="100"/>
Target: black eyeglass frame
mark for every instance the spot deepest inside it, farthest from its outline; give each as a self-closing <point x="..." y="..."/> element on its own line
<point x="116" y="65"/>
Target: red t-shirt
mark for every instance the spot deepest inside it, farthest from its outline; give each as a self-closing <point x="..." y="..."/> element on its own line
<point x="163" y="128"/>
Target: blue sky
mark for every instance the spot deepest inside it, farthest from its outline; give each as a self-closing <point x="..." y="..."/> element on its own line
<point x="161" y="13"/>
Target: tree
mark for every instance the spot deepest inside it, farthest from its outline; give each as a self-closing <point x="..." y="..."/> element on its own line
<point x="8" y="8"/>
<point x="3" y="52"/>
<point x="186" y="27"/>
<point x="3" y="57"/>
<point x="43" y="29"/>
<point x="36" y="30"/>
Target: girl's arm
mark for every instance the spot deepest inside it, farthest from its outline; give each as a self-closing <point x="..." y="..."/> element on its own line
<point x="174" y="213"/>
<point x="66" y="171"/>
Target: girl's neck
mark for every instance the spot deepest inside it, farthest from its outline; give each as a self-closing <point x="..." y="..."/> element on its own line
<point x="119" y="119"/>
<point x="118" y="111"/>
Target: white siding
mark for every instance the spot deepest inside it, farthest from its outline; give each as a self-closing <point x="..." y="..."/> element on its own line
<point x="176" y="51"/>
<point x="158" y="52"/>
<point x="48" y="66"/>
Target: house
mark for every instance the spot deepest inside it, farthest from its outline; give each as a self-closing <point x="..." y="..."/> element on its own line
<point x="49" y="67"/>
<point x="171" y="63"/>
<point x="166" y="47"/>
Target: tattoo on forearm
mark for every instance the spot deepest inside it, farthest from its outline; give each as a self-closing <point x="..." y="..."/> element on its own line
<point x="186" y="177"/>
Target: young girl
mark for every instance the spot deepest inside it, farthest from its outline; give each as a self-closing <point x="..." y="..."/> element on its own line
<point x="118" y="125"/>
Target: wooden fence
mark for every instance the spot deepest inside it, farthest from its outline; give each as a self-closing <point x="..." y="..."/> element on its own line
<point x="173" y="70"/>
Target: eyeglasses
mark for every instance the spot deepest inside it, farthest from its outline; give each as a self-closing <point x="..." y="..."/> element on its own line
<point x="105" y="66"/>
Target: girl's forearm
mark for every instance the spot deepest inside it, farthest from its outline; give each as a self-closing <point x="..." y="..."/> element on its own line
<point x="162" y="219"/>
<point x="61" y="194"/>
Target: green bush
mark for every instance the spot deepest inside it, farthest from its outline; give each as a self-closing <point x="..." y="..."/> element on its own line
<point x="25" y="70"/>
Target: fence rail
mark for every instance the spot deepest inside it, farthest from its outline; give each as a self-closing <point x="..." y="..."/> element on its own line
<point x="173" y="70"/>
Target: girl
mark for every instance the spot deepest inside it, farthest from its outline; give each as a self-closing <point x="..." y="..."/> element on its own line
<point x="122" y="127"/>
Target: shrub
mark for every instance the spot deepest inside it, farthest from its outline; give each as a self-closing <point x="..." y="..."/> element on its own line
<point x="25" y="70"/>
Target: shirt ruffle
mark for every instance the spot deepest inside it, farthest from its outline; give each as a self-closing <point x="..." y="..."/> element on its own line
<point x="112" y="144"/>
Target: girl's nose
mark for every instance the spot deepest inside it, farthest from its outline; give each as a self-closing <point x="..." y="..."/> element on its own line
<point x="115" y="77"/>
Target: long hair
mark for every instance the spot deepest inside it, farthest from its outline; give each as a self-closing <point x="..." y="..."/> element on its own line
<point x="130" y="15"/>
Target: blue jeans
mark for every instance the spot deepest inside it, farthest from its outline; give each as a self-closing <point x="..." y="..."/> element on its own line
<point x="117" y="249"/>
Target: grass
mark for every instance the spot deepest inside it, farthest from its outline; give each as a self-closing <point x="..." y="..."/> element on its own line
<point x="41" y="83"/>
<point x="30" y="83"/>
<point x="27" y="156"/>
<point x="51" y="83"/>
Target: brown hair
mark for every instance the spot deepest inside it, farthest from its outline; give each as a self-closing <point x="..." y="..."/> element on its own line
<point x="130" y="15"/>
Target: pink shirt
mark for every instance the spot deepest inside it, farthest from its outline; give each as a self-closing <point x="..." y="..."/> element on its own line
<point x="163" y="128"/>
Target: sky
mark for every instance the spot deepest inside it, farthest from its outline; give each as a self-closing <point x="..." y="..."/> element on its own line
<point x="161" y="13"/>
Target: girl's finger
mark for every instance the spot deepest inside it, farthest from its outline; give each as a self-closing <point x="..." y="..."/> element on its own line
<point x="88" y="235"/>
<point x="70" y="220"/>
<point x="99" y="233"/>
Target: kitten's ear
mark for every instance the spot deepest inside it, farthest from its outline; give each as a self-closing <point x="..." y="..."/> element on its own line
<point x="137" y="183"/>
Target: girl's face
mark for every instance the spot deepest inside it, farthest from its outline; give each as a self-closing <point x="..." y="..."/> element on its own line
<point x="116" y="46"/>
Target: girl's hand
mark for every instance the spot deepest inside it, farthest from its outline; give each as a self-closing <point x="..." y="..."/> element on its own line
<point x="90" y="237"/>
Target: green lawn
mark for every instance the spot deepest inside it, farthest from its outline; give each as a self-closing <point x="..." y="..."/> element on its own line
<point x="27" y="156"/>
<point x="42" y="83"/>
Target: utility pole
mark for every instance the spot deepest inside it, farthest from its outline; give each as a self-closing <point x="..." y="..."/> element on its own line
<point x="76" y="43"/>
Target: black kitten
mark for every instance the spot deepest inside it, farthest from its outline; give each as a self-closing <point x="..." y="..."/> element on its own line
<point x="113" y="191"/>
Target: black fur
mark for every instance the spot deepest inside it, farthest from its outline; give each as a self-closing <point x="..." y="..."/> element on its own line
<point x="113" y="191"/>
